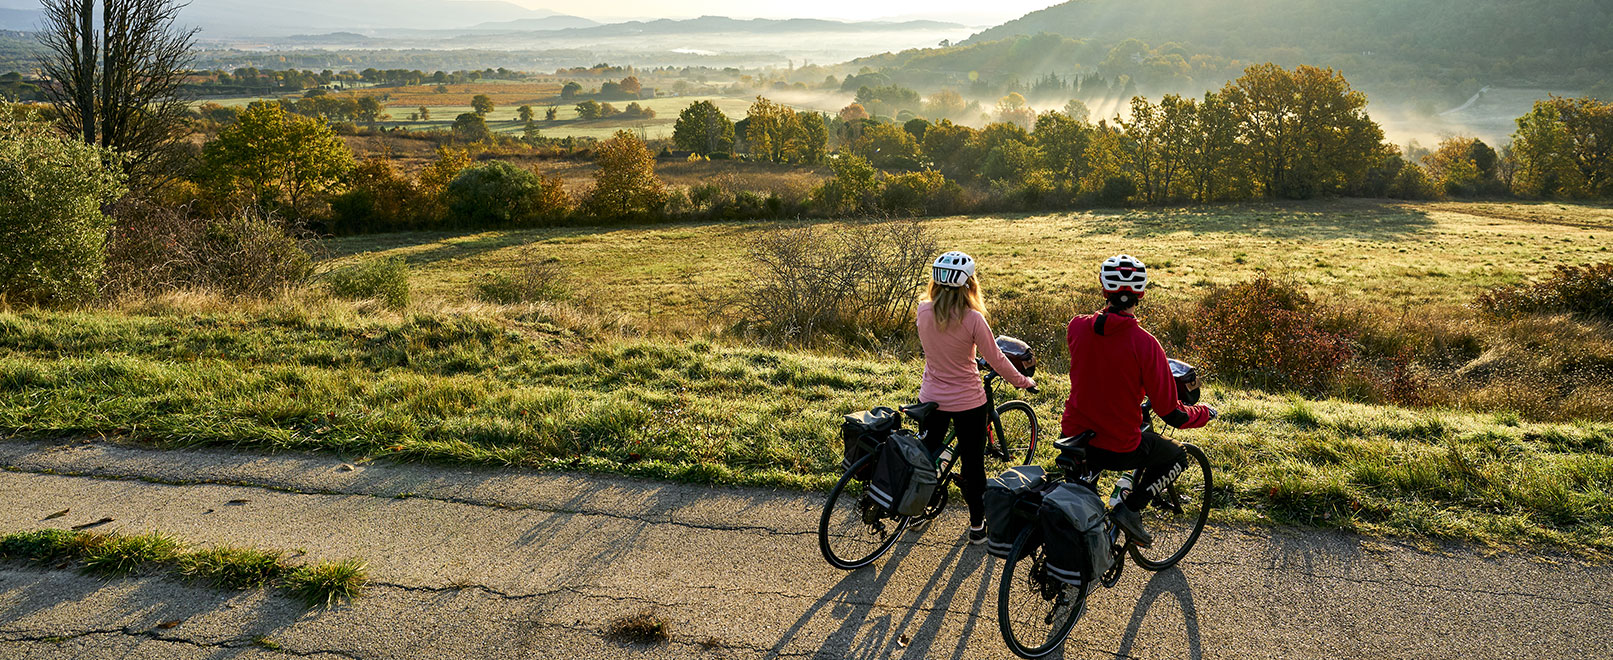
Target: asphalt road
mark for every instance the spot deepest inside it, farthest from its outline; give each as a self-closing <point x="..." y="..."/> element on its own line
<point x="487" y="563"/>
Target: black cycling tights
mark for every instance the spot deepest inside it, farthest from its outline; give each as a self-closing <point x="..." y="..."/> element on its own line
<point x="971" y="426"/>
<point x="1160" y="457"/>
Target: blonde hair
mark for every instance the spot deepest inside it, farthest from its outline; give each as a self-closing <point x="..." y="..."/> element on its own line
<point x="950" y="303"/>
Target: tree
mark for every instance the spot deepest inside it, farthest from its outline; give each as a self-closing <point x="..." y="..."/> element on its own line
<point x="1063" y="140"/>
<point x="946" y="104"/>
<point x="1014" y="109"/>
<point x="370" y="110"/>
<point x="1307" y="131"/>
<point x="425" y="113"/>
<point x="851" y="189"/>
<point x="52" y="190"/>
<point x="630" y="86"/>
<point x="854" y="112"/>
<point x="590" y="109"/>
<point x="571" y="90"/>
<point x="482" y="104"/>
<point x="766" y="130"/>
<point x="1451" y="167"/>
<point x="1214" y="161"/>
<point x="524" y="113"/>
<point x="625" y="185"/>
<point x="500" y="194"/>
<point x="887" y="146"/>
<point x="280" y="160"/>
<point x="470" y="127"/>
<point x="122" y="91"/>
<point x="1078" y="111"/>
<point x="703" y="129"/>
<point x="551" y="114"/>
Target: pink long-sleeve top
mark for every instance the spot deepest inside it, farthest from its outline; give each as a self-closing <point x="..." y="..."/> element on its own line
<point x="950" y="375"/>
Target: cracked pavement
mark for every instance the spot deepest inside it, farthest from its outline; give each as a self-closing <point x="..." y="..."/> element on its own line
<point x="505" y="563"/>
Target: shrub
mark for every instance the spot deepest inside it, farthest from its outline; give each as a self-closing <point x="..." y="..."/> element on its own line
<point x="52" y="190"/>
<point x="626" y="185"/>
<point x="858" y="283"/>
<point x="157" y="248"/>
<point x="1117" y="191"/>
<point x="536" y="280"/>
<point x="471" y="127"/>
<point x="1585" y="291"/>
<point x="500" y="194"/>
<point x="917" y="193"/>
<point x="386" y="280"/>
<point x="1266" y="334"/>
<point x="277" y="160"/>
<point x="379" y="198"/>
<point x="851" y="189"/>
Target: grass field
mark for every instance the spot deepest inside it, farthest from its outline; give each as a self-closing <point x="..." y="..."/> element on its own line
<point x="631" y="376"/>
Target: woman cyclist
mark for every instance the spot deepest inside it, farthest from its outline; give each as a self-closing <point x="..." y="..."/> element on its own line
<point x="1114" y="363"/>
<point x="952" y="328"/>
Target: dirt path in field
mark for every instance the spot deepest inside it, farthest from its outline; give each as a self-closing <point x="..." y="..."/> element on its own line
<point x="483" y="563"/>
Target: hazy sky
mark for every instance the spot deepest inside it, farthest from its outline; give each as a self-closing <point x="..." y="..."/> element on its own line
<point x="993" y="11"/>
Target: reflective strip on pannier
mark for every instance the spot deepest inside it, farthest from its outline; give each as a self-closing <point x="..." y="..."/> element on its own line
<point x="1003" y="493"/>
<point x="905" y="478"/>
<point x="1071" y="517"/>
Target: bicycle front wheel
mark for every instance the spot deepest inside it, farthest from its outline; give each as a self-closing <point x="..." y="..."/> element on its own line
<point x="854" y="531"/>
<point x="1176" y="517"/>
<point x="1020" y="438"/>
<point x="1034" y="610"/>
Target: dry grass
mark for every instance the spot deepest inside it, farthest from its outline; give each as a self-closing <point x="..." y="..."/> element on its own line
<point x="643" y="627"/>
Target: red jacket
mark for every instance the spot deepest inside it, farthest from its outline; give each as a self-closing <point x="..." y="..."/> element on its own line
<point x="1110" y="373"/>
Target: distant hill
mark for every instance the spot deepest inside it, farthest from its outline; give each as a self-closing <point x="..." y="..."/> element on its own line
<point x="18" y="19"/>
<point x="286" y="17"/>
<point x="556" y="22"/>
<point x="1431" y="54"/>
<point x="723" y="24"/>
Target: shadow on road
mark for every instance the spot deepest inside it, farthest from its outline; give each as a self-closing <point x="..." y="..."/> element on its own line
<point x="852" y="602"/>
<point x="1172" y="582"/>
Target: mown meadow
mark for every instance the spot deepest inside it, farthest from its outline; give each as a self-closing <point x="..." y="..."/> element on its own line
<point x="633" y="363"/>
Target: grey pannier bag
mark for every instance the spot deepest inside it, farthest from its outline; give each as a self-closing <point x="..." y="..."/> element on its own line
<point x="862" y="433"/>
<point x="1003" y="493"/>
<point x="1073" y="533"/>
<point x="905" y="479"/>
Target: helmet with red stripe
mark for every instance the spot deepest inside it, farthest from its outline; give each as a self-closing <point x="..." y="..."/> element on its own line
<point x="1123" y="274"/>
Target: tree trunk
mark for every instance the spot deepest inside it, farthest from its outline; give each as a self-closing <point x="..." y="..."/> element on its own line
<point x="86" y="104"/>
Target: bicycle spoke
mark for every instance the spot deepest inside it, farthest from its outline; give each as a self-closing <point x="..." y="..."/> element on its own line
<point x="1177" y="516"/>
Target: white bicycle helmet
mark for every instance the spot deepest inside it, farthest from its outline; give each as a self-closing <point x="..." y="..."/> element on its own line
<point x="1123" y="273"/>
<point x="953" y="269"/>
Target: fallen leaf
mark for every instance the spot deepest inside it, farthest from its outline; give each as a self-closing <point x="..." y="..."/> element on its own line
<point x="58" y="514"/>
<point x="345" y="468"/>
<point x="170" y="624"/>
<point x="238" y="502"/>
<point x="903" y="641"/>
<point x="102" y="521"/>
<point x="207" y="512"/>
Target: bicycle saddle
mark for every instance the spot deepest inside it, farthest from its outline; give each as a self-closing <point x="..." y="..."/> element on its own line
<point x="1075" y="446"/>
<point x="918" y="411"/>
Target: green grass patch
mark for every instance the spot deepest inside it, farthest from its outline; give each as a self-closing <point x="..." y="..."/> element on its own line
<point x="519" y="386"/>
<point x="238" y="569"/>
<point x="329" y="583"/>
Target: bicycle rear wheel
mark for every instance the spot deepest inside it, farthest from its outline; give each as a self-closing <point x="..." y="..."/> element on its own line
<point x="854" y="531"/>
<point x="1035" y="611"/>
<point x="1176" y="517"/>
<point x="1021" y="437"/>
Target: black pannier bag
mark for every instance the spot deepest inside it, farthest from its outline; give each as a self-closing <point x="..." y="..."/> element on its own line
<point x="863" y="432"/>
<point x="1003" y="493"/>
<point x="905" y="478"/>
<point x="1071" y="517"/>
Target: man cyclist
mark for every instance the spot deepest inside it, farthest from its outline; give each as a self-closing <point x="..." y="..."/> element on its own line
<point x="1114" y="363"/>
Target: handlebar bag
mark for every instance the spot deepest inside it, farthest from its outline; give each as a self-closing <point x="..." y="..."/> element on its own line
<point x="862" y="433"/>
<point x="1072" y="521"/>
<point x="1004" y="493"/>
<point x="905" y="478"/>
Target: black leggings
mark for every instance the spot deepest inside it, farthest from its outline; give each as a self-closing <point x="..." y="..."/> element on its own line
<point x="1160" y="456"/>
<point x="971" y="427"/>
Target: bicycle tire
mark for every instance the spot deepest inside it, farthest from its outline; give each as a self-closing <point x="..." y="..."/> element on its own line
<point x="1022" y="437"/>
<point x="1178" y="530"/>
<point x="846" y="528"/>
<point x="1020" y="573"/>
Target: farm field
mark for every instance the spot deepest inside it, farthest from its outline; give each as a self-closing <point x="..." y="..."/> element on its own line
<point x="636" y="373"/>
